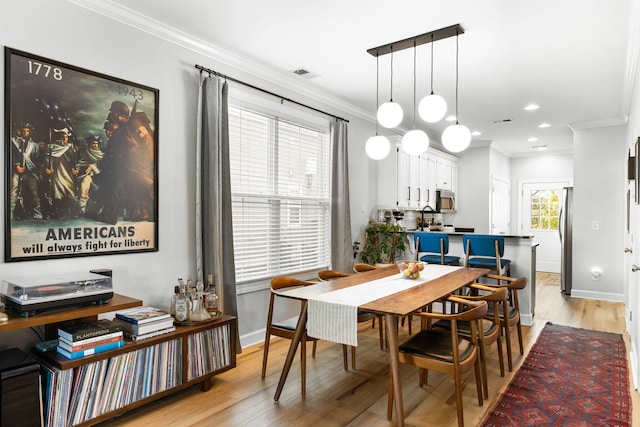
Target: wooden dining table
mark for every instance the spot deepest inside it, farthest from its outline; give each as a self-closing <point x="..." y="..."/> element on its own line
<point x="393" y="306"/>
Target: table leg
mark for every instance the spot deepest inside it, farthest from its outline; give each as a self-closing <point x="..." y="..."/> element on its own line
<point x="394" y="366"/>
<point x="297" y="337"/>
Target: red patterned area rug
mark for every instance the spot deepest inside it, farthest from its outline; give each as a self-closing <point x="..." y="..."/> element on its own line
<point x="571" y="377"/>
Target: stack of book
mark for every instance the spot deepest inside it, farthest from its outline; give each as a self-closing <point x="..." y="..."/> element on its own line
<point x="144" y="322"/>
<point x="86" y="339"/>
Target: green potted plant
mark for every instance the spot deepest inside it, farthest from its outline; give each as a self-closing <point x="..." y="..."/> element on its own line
<point x="383" y="243"/>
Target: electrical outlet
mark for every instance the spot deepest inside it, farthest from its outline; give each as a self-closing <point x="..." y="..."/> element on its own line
<point x="595" y="225"/>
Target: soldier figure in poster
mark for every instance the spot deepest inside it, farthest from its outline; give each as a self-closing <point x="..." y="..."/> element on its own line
<point x="88" y="165"/>
<point x="63" y="175"/>
<point x="25" y="201"/>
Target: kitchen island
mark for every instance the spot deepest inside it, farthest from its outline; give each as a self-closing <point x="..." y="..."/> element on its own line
<point x="521" y="250"/>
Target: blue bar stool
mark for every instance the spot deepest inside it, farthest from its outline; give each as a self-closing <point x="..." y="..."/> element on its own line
<point x="485" y="251"/>
<point x="435" y="247"/>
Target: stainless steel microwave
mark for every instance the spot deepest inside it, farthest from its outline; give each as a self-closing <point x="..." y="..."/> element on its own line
<point x="445" y="201"/>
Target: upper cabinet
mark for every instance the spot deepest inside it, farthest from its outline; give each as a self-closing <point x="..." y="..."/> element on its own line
<point x="410" y="182"/>
<point x="443" y="174"/>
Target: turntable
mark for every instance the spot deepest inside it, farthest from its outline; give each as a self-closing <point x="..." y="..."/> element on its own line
<point x="32" y="295"/>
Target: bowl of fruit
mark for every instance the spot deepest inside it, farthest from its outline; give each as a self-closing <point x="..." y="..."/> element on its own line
<point x="410" y="269"/>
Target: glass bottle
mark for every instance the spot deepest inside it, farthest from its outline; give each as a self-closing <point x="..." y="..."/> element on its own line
<point x="183" y="306"/>
<point x="212" y="301"/>
<point x="174" y="297"/>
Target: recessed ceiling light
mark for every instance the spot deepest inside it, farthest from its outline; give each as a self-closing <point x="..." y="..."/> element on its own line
<point x="531" y="107"/>
<point x="451" y="118"/>
<point x="544" y="125"/>
<point x="539" y="147"/>
<point x="476" y="133"/>
<point x="532" y="139"/>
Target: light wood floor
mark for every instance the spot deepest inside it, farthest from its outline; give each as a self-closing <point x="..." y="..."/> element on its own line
<point x="359" y="397"/>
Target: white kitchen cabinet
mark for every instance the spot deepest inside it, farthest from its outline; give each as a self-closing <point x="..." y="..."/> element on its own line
<point x="423" y="181"/>
<point x="443" y="174"/>
<point x="409" y="176"/>
<point x="410" y="182"/>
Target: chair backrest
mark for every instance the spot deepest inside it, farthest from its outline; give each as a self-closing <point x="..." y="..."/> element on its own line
<point x="514" y="284"/>
<point x="361" y="267"/>
<point x="437" y="243"/>
<point x="325" y="275"/>
<point x="287" y="282"/>
<point x="483" y="245"/>
<point x="278" y="283"/>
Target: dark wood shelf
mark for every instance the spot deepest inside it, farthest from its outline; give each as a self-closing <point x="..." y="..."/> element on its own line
<point x="60" y="362"/>
<point x="120" y="302"/>
<point x="117" y="302"/>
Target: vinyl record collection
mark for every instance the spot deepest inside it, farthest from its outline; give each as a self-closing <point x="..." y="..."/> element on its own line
<point x="79" y="394"/>
<point x="82" y="393"/>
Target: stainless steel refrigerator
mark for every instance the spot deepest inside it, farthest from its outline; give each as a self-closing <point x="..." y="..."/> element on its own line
<point x="565" y="229"/>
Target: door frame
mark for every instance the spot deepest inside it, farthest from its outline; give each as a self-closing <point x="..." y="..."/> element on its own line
<point x="568" y="182"/>
<point x="559" y="182"/>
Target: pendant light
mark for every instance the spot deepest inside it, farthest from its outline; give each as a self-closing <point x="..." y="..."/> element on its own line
<point x="390" y="113"/>
<point x="377" y="147"/>
<point x="456" y="138"/>
<point x="433" y="107"/>
<point x="415" y="142"/>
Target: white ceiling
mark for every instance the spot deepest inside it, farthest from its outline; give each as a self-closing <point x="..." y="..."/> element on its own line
<point x="570" y="57"/>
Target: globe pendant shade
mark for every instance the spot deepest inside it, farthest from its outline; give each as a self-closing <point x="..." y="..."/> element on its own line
<point x="432" y="108"/>
<point x="390" y="114"/>
<point x="456" y="138"/>
<point x="377" y="147"/>
<point x="415" y="142"/>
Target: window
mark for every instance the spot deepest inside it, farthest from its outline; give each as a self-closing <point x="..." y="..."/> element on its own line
<point x="280" y="175"/>
<point x="544" y="210"/>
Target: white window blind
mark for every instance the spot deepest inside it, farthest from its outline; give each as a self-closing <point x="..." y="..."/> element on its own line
<point x="280" y="195"/>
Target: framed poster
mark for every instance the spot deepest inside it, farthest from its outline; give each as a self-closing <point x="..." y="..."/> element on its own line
<point x="81" y="170"/>
<point x="637" y="171"/>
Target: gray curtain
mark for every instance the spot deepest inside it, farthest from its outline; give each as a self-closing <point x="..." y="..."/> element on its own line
<point x="214" y="227"/>
<point x="341" y="243"/>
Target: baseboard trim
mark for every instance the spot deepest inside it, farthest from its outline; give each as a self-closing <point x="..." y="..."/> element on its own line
<point x="253" y="338"/>
<point x="602" y="296"/>
<point x="633" y="359"/>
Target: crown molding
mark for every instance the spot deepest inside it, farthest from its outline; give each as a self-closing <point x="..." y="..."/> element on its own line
<point x="131" y="18"/>
<point x="601" y="123"/>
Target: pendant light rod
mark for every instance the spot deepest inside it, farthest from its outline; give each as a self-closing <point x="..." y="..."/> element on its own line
<point x="414" y="84"/>
<point x="377" y="90"/>
<point x="432" y="64"/>
<point x="425" y="38"/>
<point x="457" y="79"/>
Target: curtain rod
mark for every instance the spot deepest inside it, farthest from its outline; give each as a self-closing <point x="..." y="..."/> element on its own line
<point x="282" y="98"/>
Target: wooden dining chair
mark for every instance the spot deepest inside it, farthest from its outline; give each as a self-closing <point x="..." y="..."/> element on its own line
<point x="489" y="329"/>
<point x="286" y="328"/>
<point x="363" y="316"/>
<point x="361" y="267"/>
<point x="510" y="316"/>
<point x="446" y="351"/>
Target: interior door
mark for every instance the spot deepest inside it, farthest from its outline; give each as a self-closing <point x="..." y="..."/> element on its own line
<point x="500" y="206"/>
<point x="632" y="274"/>
<point x="540" y="205"/>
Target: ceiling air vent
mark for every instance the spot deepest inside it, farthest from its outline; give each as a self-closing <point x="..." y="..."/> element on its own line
<point x="501" y="121"/>
<point x="303" y="72"/>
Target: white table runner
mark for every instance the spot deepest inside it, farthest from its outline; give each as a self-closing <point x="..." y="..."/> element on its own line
<point x="333" y="316"/>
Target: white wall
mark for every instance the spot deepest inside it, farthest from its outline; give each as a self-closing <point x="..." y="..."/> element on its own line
<point x="599" y="196"/>
<point x="68" y="33"/>
<point x="474" y="187"/>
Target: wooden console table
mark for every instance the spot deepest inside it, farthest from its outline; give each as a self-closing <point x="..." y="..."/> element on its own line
<point x="160" y="365"/>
